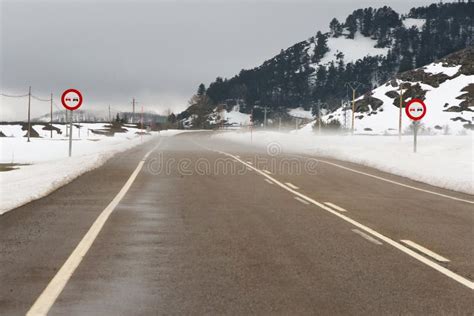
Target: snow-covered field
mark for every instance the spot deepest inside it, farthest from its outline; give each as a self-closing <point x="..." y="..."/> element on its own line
<point x="353" y="49"/>
<point x="443" y="161"/>
<point x="48" y="166"/>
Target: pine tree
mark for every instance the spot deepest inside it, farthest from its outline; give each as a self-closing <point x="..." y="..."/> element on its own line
<point x="201" y="89"/>
<point x="335" y="27"/>
<point x="321" y="46"/>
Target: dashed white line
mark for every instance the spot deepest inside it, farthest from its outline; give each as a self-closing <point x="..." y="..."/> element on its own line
<point x="268" y="181"/>
<point x="458" y="278"/>
<point x="49" y="295"/>
<point x="266" y="171"/>
<point x="424" y="250"/>
<point x="294" y="187"/>
<point x="368" y="237"/>
<point x="301" y="200"/>
<point x="334" y="206"/>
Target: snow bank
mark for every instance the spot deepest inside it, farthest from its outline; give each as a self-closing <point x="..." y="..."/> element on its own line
<point x="300" y="113"/>
<point x="49" y="167"/>
<point x="437" y="68"/>
<point x="442" y="161"/>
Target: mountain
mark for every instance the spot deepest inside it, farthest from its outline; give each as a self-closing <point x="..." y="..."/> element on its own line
<point x="446" y="86"/>
<point x="367" y="49"/>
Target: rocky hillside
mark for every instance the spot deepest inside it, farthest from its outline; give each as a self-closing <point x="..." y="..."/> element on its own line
<point x="369" y="47"/>
<point x="446" y="86"/>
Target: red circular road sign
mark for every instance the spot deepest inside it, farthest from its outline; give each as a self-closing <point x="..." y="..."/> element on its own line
<point x="71" y="99"/>
<point x="415" y="109"/>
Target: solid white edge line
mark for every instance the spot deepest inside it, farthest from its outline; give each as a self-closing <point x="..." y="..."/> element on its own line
<point x="249" y="162"/>
<point x="334" y="206"/>
<point x="291" y="185"/>
<point x="45" y="301"/>
<point x="266" y="171"/>
<point x="301" y="200"/>
<point x="386" y="180"/>
<point x="367" y="237"/>
<point x="268" y="181"/>
<point x="424" y="250"/>
<point x="466" y="282"/>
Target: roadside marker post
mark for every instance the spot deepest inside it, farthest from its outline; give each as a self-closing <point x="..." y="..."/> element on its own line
<point x="71" y="100"/>
<point x="415" y="110"/>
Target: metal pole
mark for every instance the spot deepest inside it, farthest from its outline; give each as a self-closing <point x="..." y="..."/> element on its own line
<point x="265" y="118"/>
<point x="251" y="128"/>
<point x="51" y="118"/>
<point x="415" y="129"/>
<point x="353" y="109"/>
<point x="70" y="136"/>
<point x="29" y="110"/>
<point x="400" y="114"/>
<point x="66" y="123"/>
<point x="319" y="117"/>
<point x="133" y="110"/>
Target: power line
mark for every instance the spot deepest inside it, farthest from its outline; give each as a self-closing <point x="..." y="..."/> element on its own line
<point x="40" y="99"/>
<point x="13" y="96"/>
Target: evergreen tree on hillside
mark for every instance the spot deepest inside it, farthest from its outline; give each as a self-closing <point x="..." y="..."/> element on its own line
<point x="351" y="25"/>
<point x="201" y="90"/>
<point x="321" y="47"/>
<point x="335" y="27"/>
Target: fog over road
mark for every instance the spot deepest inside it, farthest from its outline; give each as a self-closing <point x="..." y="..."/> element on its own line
<point x="209" y="227"/>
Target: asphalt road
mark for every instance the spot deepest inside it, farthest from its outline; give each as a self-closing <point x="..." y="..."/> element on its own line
<point x="209" y="227"/>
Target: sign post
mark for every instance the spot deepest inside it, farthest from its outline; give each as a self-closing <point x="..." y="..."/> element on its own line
<point x="415" y="110"/>
<point x="71" y="100"/>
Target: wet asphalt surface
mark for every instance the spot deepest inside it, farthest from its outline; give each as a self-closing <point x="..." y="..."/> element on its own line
<point x="198" y="233"/>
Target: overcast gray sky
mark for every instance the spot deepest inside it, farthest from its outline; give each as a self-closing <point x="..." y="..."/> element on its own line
<point x="155" y="51"/>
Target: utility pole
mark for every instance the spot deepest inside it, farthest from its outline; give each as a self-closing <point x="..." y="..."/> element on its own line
<point x="133" y="110"/>
<point x="400" y="113"/>
<point x="279" y="123"/>
<point x="51" y="112"/>
<point x="265" y="118"/>
<point x="353" y="104"/>
<point x="251" y="127"/>
<point x="110" y="118"/>
<point x="319" y="117"/>
<point x="29" y="111"/>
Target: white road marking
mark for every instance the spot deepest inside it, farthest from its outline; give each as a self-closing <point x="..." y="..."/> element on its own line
<point x="291" y="185"/>
<point x="334" y="206"/>
<point x="268" y="181"/>
<point x="466" y="282"/>
<point x="425" y="250"/>
<point x="266" y="171"/>
<point x="49" y="295"/>
<point x="237" y="156"/>
<point x="369" y="238"/>
<point x="301" y="200"/>
<point x="388" y="180"/>
<point x="249" y="162"/>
